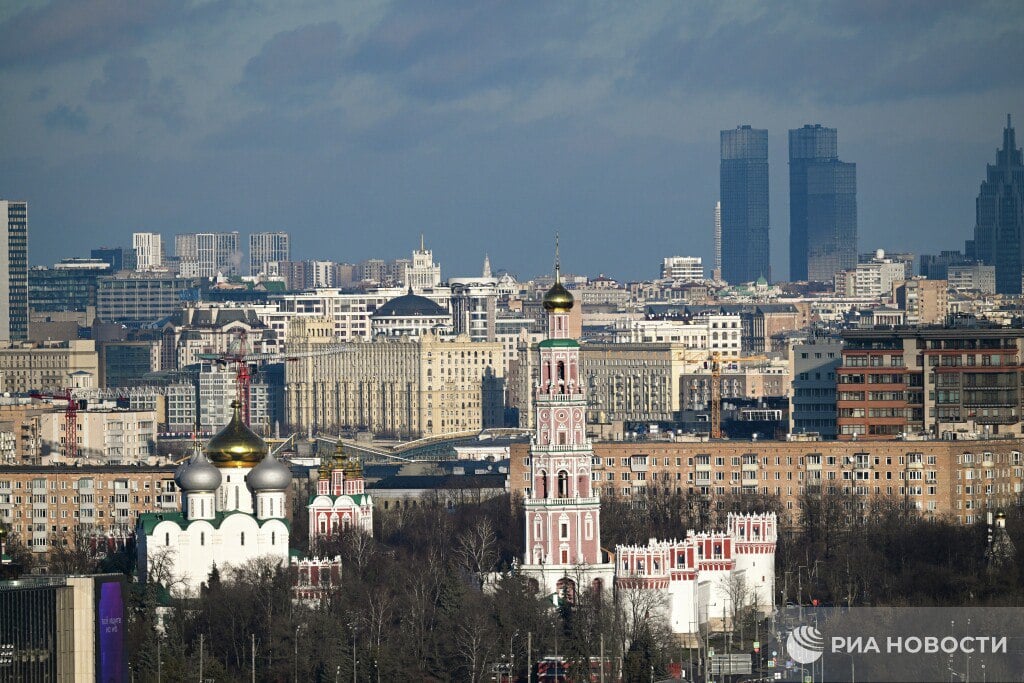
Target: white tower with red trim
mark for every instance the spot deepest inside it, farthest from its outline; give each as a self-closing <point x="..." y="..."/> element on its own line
<point x="563" y="513"/>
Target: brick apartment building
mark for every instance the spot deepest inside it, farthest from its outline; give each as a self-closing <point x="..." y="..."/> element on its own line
<point x="953" y="479"/>
<point x="44" y="504"/>
<point x="941" y="381"/>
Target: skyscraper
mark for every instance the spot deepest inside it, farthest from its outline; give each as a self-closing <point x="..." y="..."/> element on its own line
<point x="744" y="199"/>
<point x="822" y="206"/>
<point x="999" y="230"/>
<point x="267" y="247"/>
<point x="13" y="271"/>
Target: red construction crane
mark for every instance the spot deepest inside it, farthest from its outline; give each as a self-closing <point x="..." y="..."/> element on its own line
<point x="238" y="353"/>
<point x="70" y="419"/>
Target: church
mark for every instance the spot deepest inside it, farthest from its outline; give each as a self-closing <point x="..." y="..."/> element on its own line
<point x="702" y="580"/>
<point x="234" y="510"/>
<point x="563" y="514"/>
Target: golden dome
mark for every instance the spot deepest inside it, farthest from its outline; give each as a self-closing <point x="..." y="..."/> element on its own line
<point x="349" y="464"/>
<point x="558" y="299"/>
<point x="236" y="445"/>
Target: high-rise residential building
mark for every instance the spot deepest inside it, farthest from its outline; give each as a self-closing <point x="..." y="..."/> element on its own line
<point x="718" y="240"/>
<point x="149" y="250"/>
<point x="13" y="271"/>
<point x="953" y="383"/>
<point x="999" y="230"/>
<point x="744" y="200"/>
<point x="822" y="206"/>
<point x="207" y="254"/>
<point x="265" y="247"/>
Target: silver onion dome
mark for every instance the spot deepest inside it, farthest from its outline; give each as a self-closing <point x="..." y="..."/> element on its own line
<point x="269" y="475"/>
<point x="198" y="474"/>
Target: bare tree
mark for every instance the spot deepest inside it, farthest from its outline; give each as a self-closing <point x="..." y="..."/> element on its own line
<point x="475" y="638"/>
<point x="477" y="548"/>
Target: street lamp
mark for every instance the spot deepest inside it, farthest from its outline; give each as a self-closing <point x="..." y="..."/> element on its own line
<point x="295" y="666"/>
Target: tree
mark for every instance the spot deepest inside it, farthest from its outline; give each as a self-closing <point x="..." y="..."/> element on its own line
<point x="476" y="549"/>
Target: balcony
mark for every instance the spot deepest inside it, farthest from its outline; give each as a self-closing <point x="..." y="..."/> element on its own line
<point x="568" y="502"/>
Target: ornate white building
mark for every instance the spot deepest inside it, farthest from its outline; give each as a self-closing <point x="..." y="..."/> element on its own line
<point x="340" y="501"/>
<point x="233" y="510"/>
<point x="563" y="513"/>
<point x="707" y="577"/>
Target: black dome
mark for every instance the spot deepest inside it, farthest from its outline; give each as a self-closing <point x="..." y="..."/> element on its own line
<point x="409" y="305"/>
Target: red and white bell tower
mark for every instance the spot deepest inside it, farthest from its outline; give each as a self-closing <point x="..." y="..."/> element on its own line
<point x="563" y="523"/>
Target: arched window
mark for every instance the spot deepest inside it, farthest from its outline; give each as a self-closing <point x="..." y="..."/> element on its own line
<point x="543" y="484"/>
<point x="563" y="484"/>
<point x="202" y="538"/>
<point x="243" y="538"/>
<point x="167" y="539"/>
<point x="273" y="538"/>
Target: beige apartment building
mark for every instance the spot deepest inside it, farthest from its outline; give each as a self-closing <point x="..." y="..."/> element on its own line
<point x="104" y="437"/>
<point x="401" y="387"/>
<point x="958" y="480"/>
<point x="625" y="381"/>
<point x="20" y="442"/>
<point x="926" y="302"/>
<point x="45" y="366"/>
<point x="44" y="505"/>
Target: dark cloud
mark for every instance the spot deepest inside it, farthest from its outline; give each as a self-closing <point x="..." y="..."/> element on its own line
<point x="288" y="131"/>
<point x="442" y="50"/>
<point x="124" y="78"/>
<point x="66" y="117"/>
<point x="293" y="62"/>
<point x="164" y="102"/>
<point x="65" y="29"/>
<point x="853" y="53"/>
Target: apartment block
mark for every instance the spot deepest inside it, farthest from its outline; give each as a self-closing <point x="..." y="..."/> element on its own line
<point x="45" y="505"/>
<point x="947" y="382"/>
<point x="115" y="437"/>
<point x="956" y="480"/>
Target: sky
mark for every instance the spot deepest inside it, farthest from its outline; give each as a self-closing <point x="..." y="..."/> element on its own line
<point x="489" y="126"/>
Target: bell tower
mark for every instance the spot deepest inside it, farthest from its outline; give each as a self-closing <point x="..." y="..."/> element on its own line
<point x="562" y="513"/>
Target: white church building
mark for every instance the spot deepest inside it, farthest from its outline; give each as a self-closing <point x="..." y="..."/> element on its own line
<point x="699" y="581"/>
<point x="234" y="510"/>
<point x="705" y="578"/>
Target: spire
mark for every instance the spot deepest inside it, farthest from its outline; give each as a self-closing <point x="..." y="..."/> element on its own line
<point x="422" y="247"/>
<point x="558" y="265"/>
<point x="487" y="266"/>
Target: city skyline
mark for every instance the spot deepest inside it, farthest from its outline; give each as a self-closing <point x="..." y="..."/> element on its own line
<point x="357" y="129"/>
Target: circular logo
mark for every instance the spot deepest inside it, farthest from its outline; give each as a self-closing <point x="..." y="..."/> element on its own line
<point x="805" y="644"/>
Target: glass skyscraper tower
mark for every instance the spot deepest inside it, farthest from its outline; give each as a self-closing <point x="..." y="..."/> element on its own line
<point x="999" y="230"/>
<point x="822" y="206"/>
<point x="744" y="198"/>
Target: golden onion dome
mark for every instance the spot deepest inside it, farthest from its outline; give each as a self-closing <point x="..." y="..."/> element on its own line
<point x="347" y="463"/>
<point x="236" y="445"/>
<point x="558" y="299"/>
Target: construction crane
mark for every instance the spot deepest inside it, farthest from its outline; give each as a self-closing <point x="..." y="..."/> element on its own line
<point x="243" y="360"/>
<point x="715" y="362"/>
<point x="70" y="418"/>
